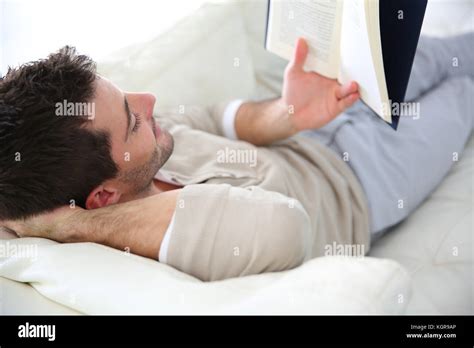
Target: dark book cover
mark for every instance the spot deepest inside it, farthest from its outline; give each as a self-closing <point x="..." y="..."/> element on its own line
<point x="400" y="27"/>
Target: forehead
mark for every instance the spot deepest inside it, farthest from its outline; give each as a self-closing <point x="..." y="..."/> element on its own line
<point x="106" y="92"/>
<point x="109" y="104"/>
<point x="109" y="110"/>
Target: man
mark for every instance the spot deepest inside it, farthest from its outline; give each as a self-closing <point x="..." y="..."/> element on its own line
<point x="165" y="189"/>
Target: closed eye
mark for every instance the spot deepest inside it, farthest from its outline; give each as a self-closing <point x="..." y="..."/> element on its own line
<point x="138" y="121"/>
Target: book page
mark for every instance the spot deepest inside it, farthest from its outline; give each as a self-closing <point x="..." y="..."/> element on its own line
<point x="356" y="56"/>
<point x="375" y="41"/>
<point x="318" y="21"/>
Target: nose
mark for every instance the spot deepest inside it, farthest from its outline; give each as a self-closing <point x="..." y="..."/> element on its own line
<point x="142" y="103"/>
<point x="149" y="102"/>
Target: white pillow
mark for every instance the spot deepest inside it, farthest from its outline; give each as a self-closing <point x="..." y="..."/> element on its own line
<point x="95" y="279"/>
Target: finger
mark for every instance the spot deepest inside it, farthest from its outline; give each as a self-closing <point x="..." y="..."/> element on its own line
<point x="346" y="89"/>
<point x="300" y="54"/>
<point x="344" y="103"/>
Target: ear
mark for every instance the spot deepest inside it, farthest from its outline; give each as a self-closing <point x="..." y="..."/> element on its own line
<point x="102" y="197"/>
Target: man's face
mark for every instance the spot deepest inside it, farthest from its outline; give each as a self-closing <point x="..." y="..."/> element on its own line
<point x="139" y="147"/>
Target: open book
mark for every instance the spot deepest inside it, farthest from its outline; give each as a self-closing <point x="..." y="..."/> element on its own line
<point x="369" y="41"/>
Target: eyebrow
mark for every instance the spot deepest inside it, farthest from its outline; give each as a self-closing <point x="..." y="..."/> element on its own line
<point x="129" y="117"/>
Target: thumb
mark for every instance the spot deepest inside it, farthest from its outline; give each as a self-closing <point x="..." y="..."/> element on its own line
<point x="299" y="55"/>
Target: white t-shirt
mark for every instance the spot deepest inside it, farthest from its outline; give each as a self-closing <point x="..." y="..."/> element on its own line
<point x="162" y="257"/>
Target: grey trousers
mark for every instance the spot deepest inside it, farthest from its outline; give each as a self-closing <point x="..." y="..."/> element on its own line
<point x="399" y="169"/>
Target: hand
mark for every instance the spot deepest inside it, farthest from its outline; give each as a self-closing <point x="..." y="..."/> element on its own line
<point x="315" y="99"/>
<point x="52" y="225"/>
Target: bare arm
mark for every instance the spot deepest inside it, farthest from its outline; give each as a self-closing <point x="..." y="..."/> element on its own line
<point x="308" y="101"/>
<point x="139" y="225"/>
<point x="262" y="123"/>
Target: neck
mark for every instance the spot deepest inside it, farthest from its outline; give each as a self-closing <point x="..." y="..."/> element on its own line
<point x="161" y="186"/>
<point x="156" y="187"/>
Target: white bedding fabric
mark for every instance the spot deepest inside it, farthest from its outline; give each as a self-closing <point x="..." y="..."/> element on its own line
<point x="94" y="279"/>
<point x="220" y="56"/>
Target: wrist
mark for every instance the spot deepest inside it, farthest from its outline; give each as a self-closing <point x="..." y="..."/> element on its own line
<point x="286" y="112"/>
<point x="262" y="123"/>
<point x="67" y="224"/>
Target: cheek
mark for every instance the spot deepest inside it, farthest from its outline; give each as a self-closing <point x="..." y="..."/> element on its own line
<point x="148" y="135"/>
<point x="137" y="151"/>
<point x="141" y="148"/>
<point x="129" y="156"/>
<point x="146" y="139"/>
<point x="125" y="158"/>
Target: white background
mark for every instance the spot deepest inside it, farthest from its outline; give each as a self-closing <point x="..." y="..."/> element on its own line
<point x="31" y="29"/>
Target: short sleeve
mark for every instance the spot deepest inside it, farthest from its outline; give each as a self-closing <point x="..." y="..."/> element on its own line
<point x="221" y="231"/>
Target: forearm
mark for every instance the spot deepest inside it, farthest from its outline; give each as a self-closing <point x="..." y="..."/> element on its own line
<point x="137" y="226"/>
<point x="265" y="122"/>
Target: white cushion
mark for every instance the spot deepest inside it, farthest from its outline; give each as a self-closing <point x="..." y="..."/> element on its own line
<point x="95" y="279"/>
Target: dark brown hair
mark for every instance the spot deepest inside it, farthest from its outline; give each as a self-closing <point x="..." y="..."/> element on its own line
<point x="46" y="160"/>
